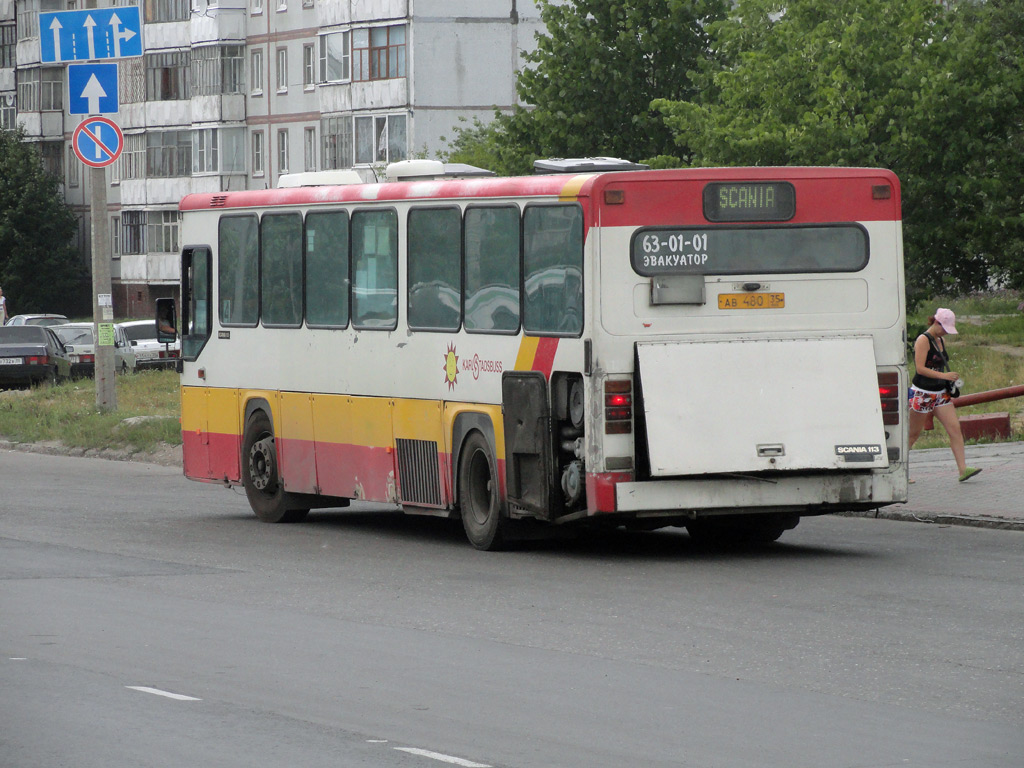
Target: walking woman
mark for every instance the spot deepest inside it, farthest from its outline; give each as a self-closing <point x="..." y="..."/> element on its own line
<point x="930" y="389"/>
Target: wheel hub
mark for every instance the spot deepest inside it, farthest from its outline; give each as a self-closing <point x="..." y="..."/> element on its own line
<point x="261" y="463"/>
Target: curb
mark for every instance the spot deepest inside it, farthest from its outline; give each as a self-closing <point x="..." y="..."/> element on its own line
<point x="939" y="518"/>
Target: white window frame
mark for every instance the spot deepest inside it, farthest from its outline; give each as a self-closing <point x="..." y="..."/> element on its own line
<point x="257" y="7"/>
<point x="345" y="59"/>
<point x="309" y="149"/>
<point x="256" y="70"/>
<point x="282" y="70"/>
<point x="309" y="66"/>
<point x="258" y="153"/>
<point x="282" y="150"/>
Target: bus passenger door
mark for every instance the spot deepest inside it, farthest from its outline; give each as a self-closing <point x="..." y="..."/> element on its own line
<point x="529" y="473"/>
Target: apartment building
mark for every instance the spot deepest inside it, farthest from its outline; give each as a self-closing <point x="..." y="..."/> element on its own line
<point x="231" y="94"/>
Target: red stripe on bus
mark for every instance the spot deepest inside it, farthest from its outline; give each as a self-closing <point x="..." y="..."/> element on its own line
<point x="601" y="490"/>
<point x="544" y="358"/>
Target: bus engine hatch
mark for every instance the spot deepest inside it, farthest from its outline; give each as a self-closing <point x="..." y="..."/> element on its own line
<point x="761" y="405"/>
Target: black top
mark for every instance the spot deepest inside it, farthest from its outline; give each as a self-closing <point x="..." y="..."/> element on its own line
<point x="937" y="360"/>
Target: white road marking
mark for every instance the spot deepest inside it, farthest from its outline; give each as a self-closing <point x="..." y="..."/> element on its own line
<point x="18" y="658"/>
<point x="442" y="758"/>
<point x="158" y="692"/>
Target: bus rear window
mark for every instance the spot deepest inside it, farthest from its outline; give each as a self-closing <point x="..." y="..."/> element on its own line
<point x="749" y="250"/>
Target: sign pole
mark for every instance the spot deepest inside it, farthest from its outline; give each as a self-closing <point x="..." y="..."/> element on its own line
<point x="102" y="306"/>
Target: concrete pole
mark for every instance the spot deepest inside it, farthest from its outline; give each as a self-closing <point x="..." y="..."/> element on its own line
<point x="102" y="304"/>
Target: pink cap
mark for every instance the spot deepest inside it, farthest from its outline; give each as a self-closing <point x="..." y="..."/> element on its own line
<point x="946" y="319"/>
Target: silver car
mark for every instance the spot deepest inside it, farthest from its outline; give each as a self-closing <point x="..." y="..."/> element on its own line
<point x="149" y="352"/>
<point x="80" y="341"/>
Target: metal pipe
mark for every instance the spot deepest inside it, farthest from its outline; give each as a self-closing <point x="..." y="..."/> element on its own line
<point x="980" y="397"/>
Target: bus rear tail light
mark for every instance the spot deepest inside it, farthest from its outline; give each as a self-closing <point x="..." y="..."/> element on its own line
<point x="889" y="395"/>
<point x="37" y="360"/>
<point x="618" y="407"/>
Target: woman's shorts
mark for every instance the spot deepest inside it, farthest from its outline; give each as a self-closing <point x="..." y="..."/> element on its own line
<point x="923" y="401"/>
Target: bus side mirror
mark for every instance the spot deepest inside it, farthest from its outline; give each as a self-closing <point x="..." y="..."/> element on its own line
<point x="166" y="321"/>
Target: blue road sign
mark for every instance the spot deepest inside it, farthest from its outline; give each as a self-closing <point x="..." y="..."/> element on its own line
<point x="90" y="34"/>
<point x="92" y="89"/>
<point x="97" y="141"/>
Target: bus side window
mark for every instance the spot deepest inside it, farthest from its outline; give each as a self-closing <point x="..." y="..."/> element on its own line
<point x="553" y="269"/>
<point x="491" y="254"/>
<point x="434" y="261"/>
<point x="375" y="269"/>
<point x="237" y="270"/>
<point x="281" y="273"/>
<point x="195" y="301"/>
<point x="327" y="280"/>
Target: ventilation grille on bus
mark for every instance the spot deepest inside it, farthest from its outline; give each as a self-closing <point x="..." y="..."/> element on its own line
<point x="218" y="201"/>
<point x="418" y="478"/>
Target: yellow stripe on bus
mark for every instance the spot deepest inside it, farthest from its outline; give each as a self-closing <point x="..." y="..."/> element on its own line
<point x="527" y="353"/>
<point x="572" y="188"/>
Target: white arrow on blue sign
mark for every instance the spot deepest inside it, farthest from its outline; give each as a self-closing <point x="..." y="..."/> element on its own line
<point x="87" y="35"/>
<point x="92" y="89"/>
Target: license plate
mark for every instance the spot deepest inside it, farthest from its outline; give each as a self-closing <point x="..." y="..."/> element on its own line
<point x="10" y="361"/>
<point x="74" y="358"/>
<point x="751" y="300"/>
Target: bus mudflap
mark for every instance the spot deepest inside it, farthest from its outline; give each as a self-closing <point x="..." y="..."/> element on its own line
<point x="754" y="405"/>
<point x="529" y="470"/>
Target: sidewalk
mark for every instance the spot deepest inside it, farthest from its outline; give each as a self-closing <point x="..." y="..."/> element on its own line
<point x="993" y="499"/>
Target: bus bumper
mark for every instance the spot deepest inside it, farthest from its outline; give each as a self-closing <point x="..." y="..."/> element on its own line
<point x="807" y="494"/>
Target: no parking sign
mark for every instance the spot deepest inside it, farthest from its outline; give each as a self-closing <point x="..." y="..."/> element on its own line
<point x="97" y="141"/>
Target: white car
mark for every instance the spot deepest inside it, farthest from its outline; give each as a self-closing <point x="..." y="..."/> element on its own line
<point x="149" y="352"/>
<point x="80" y="342"/>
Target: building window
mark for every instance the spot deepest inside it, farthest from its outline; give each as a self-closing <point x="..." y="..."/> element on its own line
<point x="218" y="150"/>
<point x="133" y="158"/>
<point x="282" y="70"/>
<point x="162" y="232"/>
<point x="53" y="158"/>
<point x="257" y="153"/>
<point x="309" y="149"/>
<point x="28" y="89"/>
<point x="168" y="154"/>
<point x="380" y="139"/>
<point x="217" y="69"/>
<point x="51" y="93"/>
<point x="115" y="237"/>
<point x="167" y="76"/>
<point x="334" y="57"/>
<point x="8" y="111"/>
<point x="157" y="11"/>
<point x="131" y="80"/>
<point x="133" y="232"/>
<point x="378" y="53"/>
<point x="8" y="46"/>
<point x="308" y="67"/>
<point x="282" y="151"/>
<point x="336" y="135"/>
<point x="257" y="6"/>
<point x="257" y="72"/>
<point x="73" y="167"/>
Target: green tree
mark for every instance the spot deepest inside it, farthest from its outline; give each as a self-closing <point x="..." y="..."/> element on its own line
<point x="39" y="268"/>
<point x="933" y="92"/>
<point x="591" y="80"/>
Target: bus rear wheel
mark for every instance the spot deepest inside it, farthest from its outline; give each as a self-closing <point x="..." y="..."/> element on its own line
<point x="740" y="530"/>
<point x="260" y="475"/>
<point x="478" y="495"/>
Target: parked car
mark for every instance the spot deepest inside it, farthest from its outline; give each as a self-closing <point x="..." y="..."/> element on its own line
<point x="149" y="352"/>
<point x="37" y="320"/>
<point x="80" y="342"/>
<point x="30" y="354"/>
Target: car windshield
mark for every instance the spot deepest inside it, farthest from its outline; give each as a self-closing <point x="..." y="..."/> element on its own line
<point x="75" y="335"/>
<point x="21" y="334"/>
<point x="140" y="332"/>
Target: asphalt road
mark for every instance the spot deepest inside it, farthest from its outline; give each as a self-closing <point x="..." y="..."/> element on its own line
<point x="149" y="621"/>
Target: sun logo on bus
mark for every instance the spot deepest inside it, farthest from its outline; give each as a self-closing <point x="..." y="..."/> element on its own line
<point x="451" y="367"/>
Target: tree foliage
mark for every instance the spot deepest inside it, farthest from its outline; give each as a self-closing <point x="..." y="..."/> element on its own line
<point x="39" y="268"/>
<point x="591" y="80"/>
<point x="936" y="93"/>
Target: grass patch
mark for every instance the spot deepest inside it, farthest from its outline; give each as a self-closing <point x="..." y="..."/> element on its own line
<point x="67" y="413"/>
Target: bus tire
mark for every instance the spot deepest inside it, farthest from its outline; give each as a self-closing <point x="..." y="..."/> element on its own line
<point x="260" y="475"/>
<point x="739" y="530"/>
<point x="478" y="495"/>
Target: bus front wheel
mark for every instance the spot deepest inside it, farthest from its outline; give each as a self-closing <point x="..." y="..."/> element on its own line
<point x="260" y="475"/>
<point x="478" y="495"/>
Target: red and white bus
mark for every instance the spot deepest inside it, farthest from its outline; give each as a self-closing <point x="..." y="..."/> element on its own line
<point x="716" y="348"/>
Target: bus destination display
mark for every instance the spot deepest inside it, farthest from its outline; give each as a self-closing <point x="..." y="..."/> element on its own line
<point x="749" y="201"/>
